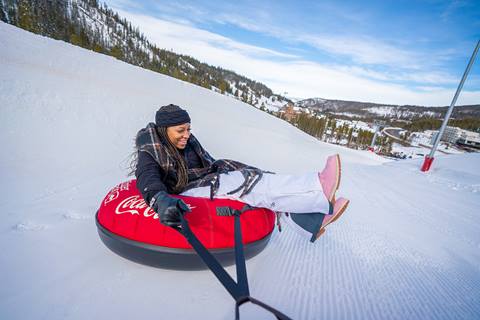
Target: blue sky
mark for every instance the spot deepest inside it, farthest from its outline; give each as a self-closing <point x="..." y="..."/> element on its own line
<point x="402" y="52"/>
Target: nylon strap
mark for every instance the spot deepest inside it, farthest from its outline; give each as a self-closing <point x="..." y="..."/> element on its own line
<point x="238" y="290"/>
<point x="217" y="269"/>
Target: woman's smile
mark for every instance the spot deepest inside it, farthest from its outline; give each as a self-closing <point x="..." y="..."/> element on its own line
<point x="178" y="135"/>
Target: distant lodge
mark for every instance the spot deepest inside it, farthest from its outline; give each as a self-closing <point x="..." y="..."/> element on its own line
<point x="452" y="135"/>
<point x="459" y="136"/>
<point x="290" y="111"/>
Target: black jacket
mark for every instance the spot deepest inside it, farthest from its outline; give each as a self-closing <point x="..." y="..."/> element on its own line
<point x="151" y="178"/>
<point x="157" y="170"/>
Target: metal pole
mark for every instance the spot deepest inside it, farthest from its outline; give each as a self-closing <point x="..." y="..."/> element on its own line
<point x="428" y="160"/>
<point x="353" y="131"/>
<point x="372" y="144"/>
<point x="377" y="124"/>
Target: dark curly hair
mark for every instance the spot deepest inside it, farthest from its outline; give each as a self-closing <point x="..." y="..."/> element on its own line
<point x="181" y="165"/>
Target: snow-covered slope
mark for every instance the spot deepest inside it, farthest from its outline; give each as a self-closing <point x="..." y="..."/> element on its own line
<point x="408" y="247"/>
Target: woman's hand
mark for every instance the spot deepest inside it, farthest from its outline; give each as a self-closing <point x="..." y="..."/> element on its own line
<point x="169" y="209"/>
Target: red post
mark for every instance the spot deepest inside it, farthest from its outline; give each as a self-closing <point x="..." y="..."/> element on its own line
<point x="427" y="164"/>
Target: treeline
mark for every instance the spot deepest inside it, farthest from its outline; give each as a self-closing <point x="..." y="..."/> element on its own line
<point x="328" y="129"/>
<point x="93" y="26"/>
<point x="417" y="125"/>
<point x="472" y="124"/>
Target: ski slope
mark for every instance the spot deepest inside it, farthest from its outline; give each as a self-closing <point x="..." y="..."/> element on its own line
<point x="407" y="248"/>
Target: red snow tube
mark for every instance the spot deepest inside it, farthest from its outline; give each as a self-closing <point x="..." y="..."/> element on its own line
<point x="131" y="229"/>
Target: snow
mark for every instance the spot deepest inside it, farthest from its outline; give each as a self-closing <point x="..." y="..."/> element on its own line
<point x="349" y="114"/>
<point x="398" y="112"/>
<point x="421" y="144"/>
<point x="272" y="103"/>
<point x="407" y="247"/>
<point x="358" y="125"/>
<point x="382" y="111"/>
<point x="422" y="150"/>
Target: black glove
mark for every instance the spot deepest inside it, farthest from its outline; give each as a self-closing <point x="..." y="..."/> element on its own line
<point x="169" y="209"/>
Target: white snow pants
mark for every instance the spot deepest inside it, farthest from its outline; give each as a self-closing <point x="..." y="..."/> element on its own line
<point x="279" y="192"/>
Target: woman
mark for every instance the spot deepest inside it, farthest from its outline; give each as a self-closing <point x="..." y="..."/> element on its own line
<point x="172" y="161"/>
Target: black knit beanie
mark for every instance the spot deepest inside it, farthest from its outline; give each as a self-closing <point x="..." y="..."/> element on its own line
<point x="171" y="115"/>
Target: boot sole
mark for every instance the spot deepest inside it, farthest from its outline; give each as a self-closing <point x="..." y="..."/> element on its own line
<point x="335" y="218"/>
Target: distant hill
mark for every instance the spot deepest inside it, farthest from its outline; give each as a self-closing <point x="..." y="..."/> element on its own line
<point x="386" y="111"/>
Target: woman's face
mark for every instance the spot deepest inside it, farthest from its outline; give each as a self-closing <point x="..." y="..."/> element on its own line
<point x="178" y="135"/>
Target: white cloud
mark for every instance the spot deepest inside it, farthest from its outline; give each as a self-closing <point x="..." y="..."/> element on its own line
<point x="186" y="39"/>
<point x="298" y="78"/>
<point x="364" y="50"/>
<point x="437" y="78"/>
<point x="360" y="49"/>
<point x="244" y="23"/>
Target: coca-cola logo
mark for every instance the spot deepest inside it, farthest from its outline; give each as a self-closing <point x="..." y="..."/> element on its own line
<point x="136" y="205"/>
<point x="115" y="192"/>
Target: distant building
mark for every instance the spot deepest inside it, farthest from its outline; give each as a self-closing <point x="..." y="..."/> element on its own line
<point x="470" y="135"/>
<point x="453" y="134"/>
<point x="470" y="139"/>
<point x="289" y="112"/>
<point x="450" y="135"/>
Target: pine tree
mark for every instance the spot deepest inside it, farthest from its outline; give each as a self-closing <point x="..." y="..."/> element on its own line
<point x="222" y="86"/>
<point x="116" y="51"/>
<point x="25" y="17"/>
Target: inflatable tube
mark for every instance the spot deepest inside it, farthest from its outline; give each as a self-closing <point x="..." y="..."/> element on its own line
<point x="131" y="229"/>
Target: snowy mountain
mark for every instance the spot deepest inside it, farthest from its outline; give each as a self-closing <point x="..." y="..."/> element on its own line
<point x="407" y="248"/>
<point x="396" y="112"/>
<point x="94" y="26"/>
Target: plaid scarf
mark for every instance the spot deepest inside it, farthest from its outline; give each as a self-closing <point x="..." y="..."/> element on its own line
<point x="148" y="140"/>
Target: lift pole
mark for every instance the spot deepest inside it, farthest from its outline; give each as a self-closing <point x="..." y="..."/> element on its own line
<point x="429" y="159"/>
<point x="377" y="124"/>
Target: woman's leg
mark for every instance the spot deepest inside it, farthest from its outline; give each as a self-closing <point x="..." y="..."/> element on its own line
<point x="289" y="193"/>
<point x="310" y="197"/>
<point x="278" y="192"/>
<point x="313" y="225"/>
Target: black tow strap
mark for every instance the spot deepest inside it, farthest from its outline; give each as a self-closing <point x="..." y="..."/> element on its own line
<point x="238" y="290"/>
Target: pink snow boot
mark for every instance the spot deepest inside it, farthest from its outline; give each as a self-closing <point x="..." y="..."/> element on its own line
<point x="338" y="209"/>
<point x="330" y="177"/>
